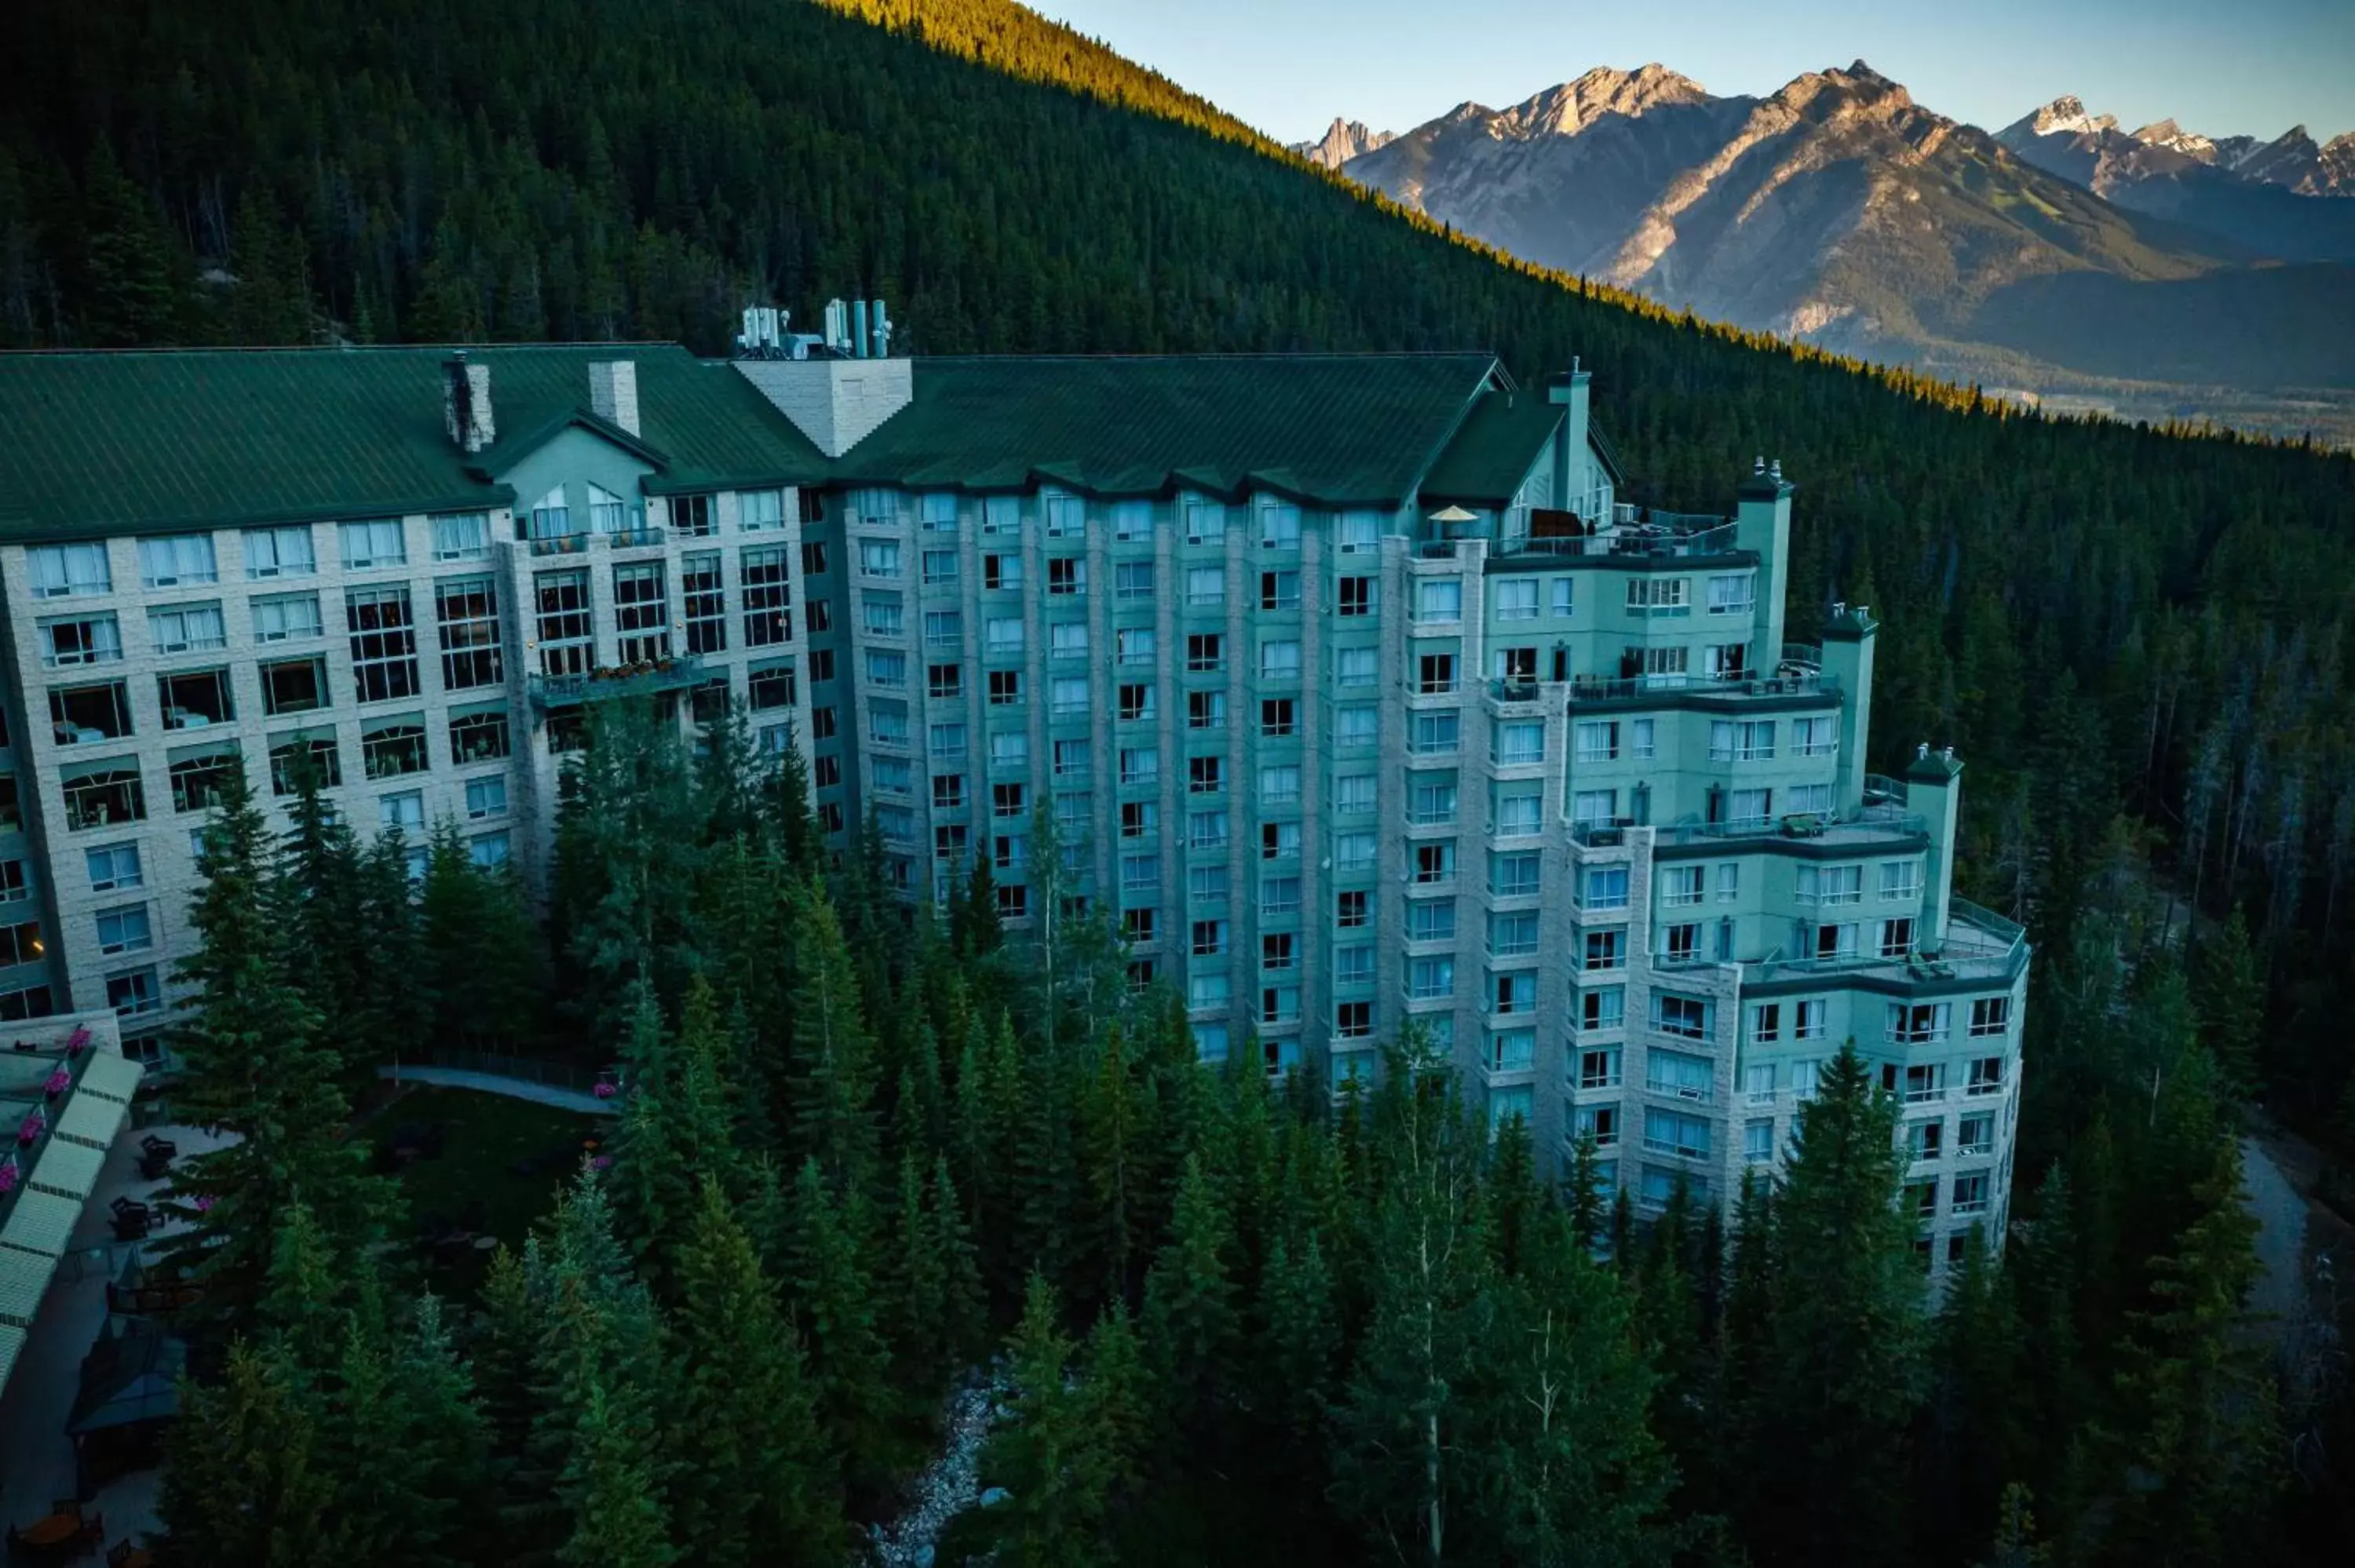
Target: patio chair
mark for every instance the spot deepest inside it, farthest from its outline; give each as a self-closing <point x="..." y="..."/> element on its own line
<point x="153" y="1144"/>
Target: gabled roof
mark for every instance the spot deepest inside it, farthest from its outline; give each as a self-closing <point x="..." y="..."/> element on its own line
<point x="1485" y="463"/>
<point x="1356" y="430"/>
<point x="117" y="442"/>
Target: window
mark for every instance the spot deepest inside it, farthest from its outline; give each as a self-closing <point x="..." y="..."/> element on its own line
<point x="1353" y="795"/>
<point x="1131" y="580"/>
<point x="1353" y="854"/>
<point x="1002" y="637"/>
<point x="113" y="867"/>
<point x="1598" y="1069"/>
<point x="607" y="513"/>
<point x="1681" y="885"/>
<point x="1434" y="862"/>
<point x="468" y="614"/>
<point x="1071" y="759"/>
<point x="1667" y="662"/>
<point x="1517" y="599"/>
<point x="1353" y="1020"/>
<point x="1205" y="774"/>
<point x="1351" y="909"/>
<point x="1897" y="937"/>
<point x="196" y="700"/>
<point x="1436" y="674"/>
<point x="1673" y="1132"/>
<point x="1686" y="1017"/>
<point x="1830" y="884"/>
<point x="767" y="620"/>
<point x="703" y="597"/>
<point x="1066" y="576"/>
<point x="563" y="619"/>
<point x="1597" y="1125"/>
<point x="1680" y="944"/>
<point x="1970" y="1194"/>
<point x="1740" y="740"/>
<point x="1353" y="965"/>
<point x="1279" y="784"/>
<point x="1596" y="740"/>
<point x="1206" y="884"/>
<point x="1279" y="591"/>
<point x="1657" y="596"/>
<point x="1438" y="601"/>
<point x="80" y="640"/>
<point x="404" y="811"/>
<point x="1974" y="1135"/>
<point x="1431" y="979"/>
<point x="886" y="668"/>
<point x="1435" y="734"/>
<point x="1900" y="880"/>
<point x="197" y="781"/>
<point x="1140" y="873"/>
<point x="1805" y="800"/>
<point x="1279" y="896"/>
<point x="1431" y="920"/>
<point x="384" y="642"/>
<point x="81" y="714"/>
<point x="62" y="571"/>
<point x="1204" y="710"/>
<point x="1279" y="524"/>
<point x="1279" y="840"/>
<point x="1513" y="936"/>
<point x="1565" y="592"/>
<point x="1606" y="948"/>
<point x="1815" y="737"/>
<point x="1924" y="1139"/>
<point x="1750" y="808"/>
<point x="134" y="993"/>
<point x="945" y="682"/>
<point x="1205" y="654"/>
<point x="177" y="560"/>
<point x="288" y="552"/>
<point x="1990" y="1015"/>
<point x="122" y="929"/>
<point x="1067" y="639"/>
<point x="1986" y="1076"/>
<point x="887" y="721"/>
<point x="1140" y="765"/>
<point x="1356" y="596"/>
<point x="1758" y="1083"/>
<point x="1512" y="1051"/>
<point x="1679" y="1075"/>
<point x="1356" y="533"/>
<point x="381" y="542"/>
<point x="290" y="755"/>
<point x="391" y="750"/>
<point x="882" y="614"/>
<point x="770" y="686"/>
<point x="1731" y="594"/>
<point x="1206" y="520"/>
<point x="186" y="629"/>
<point x="1602" y="1008"/>
<point x="1758" y="1142"/>
<point x="1279" y="660"/>
<point x="487" y="851"/>
<point x="1514" y="874"/>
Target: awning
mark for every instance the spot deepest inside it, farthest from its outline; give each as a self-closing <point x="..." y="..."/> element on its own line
<point x="130" y="1375"/>
<point x="93" y="1121"/>
<point x="24" y="1280"/>
<point x="116" y="1077"/>
<point x="68" y="1170"/>
<point x="42" y="1223"/>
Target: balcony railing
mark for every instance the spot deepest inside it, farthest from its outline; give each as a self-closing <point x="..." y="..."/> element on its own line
<point x="1595" y="690"/>
<point x="1880" y="790"/>
<point x="614" y="681"/>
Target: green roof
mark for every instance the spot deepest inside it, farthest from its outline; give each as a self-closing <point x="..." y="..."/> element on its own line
<point x="1485" y="464"/>
<point x="107" y="443"/>
<point x="1357" y="429"/>
<point x="111" y="443"/>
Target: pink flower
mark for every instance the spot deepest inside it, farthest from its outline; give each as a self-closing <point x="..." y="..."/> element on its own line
<point x="32" y="1127"/>
<point x="77" y="1039"/>
<point x="204" y="1203"/>
<point x="8" y="1176"/>
<point x="58" y="1082"/>
<point x="603" y="1091"/>
<point x="602" y="1162"/>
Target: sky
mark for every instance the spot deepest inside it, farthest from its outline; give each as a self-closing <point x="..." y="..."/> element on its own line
<point x="1288" y="66"/>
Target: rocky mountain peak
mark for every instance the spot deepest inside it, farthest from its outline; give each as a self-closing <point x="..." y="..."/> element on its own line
<point x="2175" y="138"/>
<point x="2066" y="116"/>
<point x="1342" y="141"/>
<point x="1567" y="109"/>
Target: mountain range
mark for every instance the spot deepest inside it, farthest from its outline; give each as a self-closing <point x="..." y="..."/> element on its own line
<point x="2057" y="256"/>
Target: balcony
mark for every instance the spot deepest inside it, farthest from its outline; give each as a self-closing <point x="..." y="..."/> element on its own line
<point x="1643" y="690"/>
<point x="1516" y="694"/>
<point x="1867" y="827"/>
<point x="1631" y="530"/>
<point x="614" y="682"/>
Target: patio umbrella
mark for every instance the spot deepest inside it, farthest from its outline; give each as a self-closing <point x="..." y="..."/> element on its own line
<point x="130" y="1376"/>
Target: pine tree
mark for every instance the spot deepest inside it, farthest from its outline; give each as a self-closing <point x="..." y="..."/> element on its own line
<point x="1978" y="1441"/>
<point x="1058" y="1457"/>
<point x="2231" y="1002"/>
<point x="833" y="1299"/>
<point x="1584" y="1192"/>
<point x="831" y="1078"/>
<point x="1843" y="1373"/>
<point x="1188" y="1298"/>
<point x="618" y="1520"/>
<point x="755" y="1477"/>
<point x="133" y="282"/>
<point x="253" y="1065"/>
<point x="241" y="1486"/>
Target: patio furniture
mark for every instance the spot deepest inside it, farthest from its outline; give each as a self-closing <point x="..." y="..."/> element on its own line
<point x="123" y="1554"/>
<point x="132" y="1220"/>
<point x="153" y="1144"/>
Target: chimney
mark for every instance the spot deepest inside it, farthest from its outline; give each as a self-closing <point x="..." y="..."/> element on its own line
<point x="466" y="403"/>
<point x="614" y="392"/>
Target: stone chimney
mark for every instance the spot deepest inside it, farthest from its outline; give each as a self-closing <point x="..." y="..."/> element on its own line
<point x="466" y="403"/>
<point x="614" y="392"/>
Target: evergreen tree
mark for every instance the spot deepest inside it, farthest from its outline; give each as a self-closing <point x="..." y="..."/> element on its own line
<point x="241" y="1486"/>
<point x="833" y="1299"/>
<point x="2231" y="1002"/>
<point x="133" y="284"/>
<point x="1583" y="1193"/>
<point x="755" y="1478"/>
<point x="1058" y="1457"/>
<point x="1843" y="1374"/>
<point x="831" y="1080"/>
<point x="1977" y="1442"/>
<point x="1188" y="1298"/>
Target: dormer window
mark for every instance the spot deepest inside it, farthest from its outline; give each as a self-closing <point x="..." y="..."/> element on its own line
<point x="550" y="517"/>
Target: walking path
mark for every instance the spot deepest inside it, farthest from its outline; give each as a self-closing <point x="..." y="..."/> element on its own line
<point x="496" y="1084"/>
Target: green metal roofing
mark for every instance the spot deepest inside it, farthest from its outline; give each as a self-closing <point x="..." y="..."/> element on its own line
<point x="1357" y="429"/>
<point x="111" y="443"/>
<point x="1501" y="438"/>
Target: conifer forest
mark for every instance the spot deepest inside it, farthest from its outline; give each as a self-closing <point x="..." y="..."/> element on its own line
<point x="880" y="1167"/>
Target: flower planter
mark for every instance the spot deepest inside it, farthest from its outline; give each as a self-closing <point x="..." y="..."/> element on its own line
<point x="57" y="1082"/>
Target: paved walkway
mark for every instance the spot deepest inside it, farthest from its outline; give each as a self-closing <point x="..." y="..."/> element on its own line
<point x="493" y="1083"/>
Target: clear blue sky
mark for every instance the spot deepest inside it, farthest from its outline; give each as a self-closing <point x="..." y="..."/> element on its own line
<point x="1288" y="66"/>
